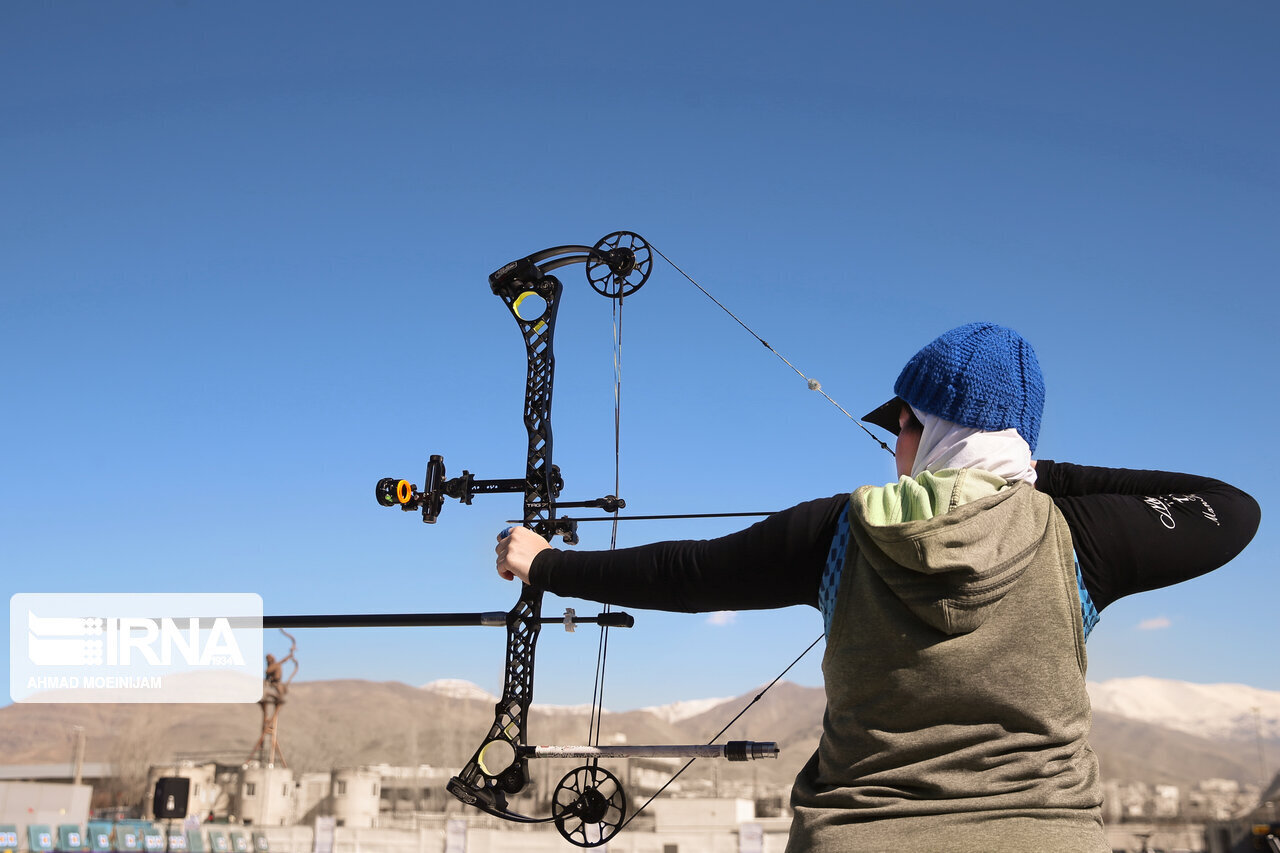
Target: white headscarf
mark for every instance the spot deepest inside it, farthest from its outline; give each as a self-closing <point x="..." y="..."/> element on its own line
<point x="946" y="445"/>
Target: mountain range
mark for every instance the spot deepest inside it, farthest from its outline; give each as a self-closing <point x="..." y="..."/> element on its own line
<point x="1145" y="729"/>
<point x="1217" y="711"/>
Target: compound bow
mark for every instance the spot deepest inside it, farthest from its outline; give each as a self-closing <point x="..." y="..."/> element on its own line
<point x="588" y="806"/>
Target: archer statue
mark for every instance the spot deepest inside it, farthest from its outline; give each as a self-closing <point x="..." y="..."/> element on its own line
<point x="274" y="688"/>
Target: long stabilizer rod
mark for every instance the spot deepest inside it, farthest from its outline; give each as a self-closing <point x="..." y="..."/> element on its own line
<point x="492" y="618"/>
<point x="734" y="750"/>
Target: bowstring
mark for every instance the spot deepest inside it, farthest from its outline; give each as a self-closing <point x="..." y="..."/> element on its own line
<point x="814" y="385"/>
<point x="597" y="699"/>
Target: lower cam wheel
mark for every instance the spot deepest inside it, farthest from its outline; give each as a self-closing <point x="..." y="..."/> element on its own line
<point x="622" y="265"/>
<point x="588" y="806"/>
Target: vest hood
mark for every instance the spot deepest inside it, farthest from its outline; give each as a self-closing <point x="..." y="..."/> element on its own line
<point x="952" y="570"/>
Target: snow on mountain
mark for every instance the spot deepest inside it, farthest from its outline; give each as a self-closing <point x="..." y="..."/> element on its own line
<point x="1216" y="711"/>
<point x="1225" y="711"/>
<point x="683" y="710"/>
<point x="456" y="688"/>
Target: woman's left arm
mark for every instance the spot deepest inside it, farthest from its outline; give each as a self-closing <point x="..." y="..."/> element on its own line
<point x="777" y="562"/>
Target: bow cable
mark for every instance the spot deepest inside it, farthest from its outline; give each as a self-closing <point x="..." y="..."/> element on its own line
<point x="716" y="736"/>
<point x="596" y="721"/>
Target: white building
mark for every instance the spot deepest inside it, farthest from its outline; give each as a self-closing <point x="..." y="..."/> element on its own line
<point x="357" y="796"/>
<point x="265" y="796"/>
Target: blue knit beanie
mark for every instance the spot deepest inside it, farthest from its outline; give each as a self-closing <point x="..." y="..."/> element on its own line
<point x="979" y="375"/>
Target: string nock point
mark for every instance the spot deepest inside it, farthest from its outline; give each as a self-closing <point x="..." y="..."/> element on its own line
<point x="815" y="385"/>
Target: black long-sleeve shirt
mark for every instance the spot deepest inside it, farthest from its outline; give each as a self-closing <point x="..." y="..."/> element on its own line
<point x="1132" y="531"/>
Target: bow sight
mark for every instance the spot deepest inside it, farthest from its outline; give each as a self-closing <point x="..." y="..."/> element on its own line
<point x="616" y="267"/>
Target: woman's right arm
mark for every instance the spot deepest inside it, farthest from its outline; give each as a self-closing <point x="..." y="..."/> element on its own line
<point x="1139" y="530"/>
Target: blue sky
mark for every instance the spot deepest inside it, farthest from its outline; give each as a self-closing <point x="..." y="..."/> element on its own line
<point x="243" y="275"/>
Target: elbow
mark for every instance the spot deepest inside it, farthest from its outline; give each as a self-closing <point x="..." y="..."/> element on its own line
<point x="1241" y="526"/>
<point x="1252" y="518"/>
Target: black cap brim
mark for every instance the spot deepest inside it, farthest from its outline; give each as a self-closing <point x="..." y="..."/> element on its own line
<point x="886" y="416"/>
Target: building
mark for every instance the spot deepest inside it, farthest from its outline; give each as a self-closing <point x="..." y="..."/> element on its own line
<point x="205" y="797"/>
<point x="49" y="803"/>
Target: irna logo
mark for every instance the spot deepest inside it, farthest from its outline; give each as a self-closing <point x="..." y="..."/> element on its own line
<point x="126" y="641"/>
<point x="135" y="647"/>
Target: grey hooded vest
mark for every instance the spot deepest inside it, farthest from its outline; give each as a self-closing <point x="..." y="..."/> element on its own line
<point x="956" y="715"/>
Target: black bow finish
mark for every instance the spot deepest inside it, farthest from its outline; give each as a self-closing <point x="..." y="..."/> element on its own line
<point x="588" y="806"/>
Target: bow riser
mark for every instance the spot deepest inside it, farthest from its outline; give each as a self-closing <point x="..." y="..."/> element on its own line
<point x="479" y="778"/>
